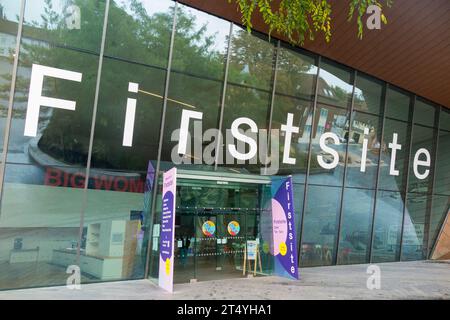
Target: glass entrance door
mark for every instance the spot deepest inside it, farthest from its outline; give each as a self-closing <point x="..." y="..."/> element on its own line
<point x="213" y="221"/>
<point x="220" y="246"/>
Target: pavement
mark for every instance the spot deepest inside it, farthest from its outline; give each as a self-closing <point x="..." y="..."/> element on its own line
<point x="399" y="280"/>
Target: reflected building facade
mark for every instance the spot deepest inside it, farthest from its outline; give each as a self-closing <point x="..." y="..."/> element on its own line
<point x="74" y="194"/>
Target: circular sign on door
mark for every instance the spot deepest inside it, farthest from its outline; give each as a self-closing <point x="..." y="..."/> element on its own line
<point x="208" y="228"/>
<point x="234" y="228"/>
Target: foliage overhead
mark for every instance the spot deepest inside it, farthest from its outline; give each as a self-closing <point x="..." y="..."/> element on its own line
<point x="297" y="19"/>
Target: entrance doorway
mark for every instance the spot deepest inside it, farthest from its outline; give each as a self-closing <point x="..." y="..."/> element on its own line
<point x="215" y="217"/>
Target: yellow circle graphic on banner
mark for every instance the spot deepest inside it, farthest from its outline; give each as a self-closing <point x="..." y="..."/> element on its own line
<point x="168" y="266"/>
<point x="283" y="248"/>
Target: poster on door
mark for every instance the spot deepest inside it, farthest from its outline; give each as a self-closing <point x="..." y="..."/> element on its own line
<point x="167" y="235"/>
<point x="283" y="228"/>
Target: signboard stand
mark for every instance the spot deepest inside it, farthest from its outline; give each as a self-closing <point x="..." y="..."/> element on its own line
<point x="251" y="254"/>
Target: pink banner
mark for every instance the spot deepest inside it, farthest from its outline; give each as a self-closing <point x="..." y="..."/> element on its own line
<point x="167" y="235"/>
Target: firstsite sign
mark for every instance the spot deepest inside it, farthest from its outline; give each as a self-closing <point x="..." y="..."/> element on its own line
<point x="240" y="145"/>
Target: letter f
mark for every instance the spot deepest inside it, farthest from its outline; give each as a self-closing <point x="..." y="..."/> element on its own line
<point x="36" y="100"/>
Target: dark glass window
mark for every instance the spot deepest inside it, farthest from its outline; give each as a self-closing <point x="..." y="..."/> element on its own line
<point x="72" y="24"/>
<point x="320" y="226"/>
<point x="296" y="74"/>
<point x="109" y="151"/>
<point x="335" y="85"/>
<point x="302" y="111"/>
<point x="252" y="60"/>
<point x="8" y="40"/>
<point x="397" y="104"/>
<point x="140" y="31"/>
<point x="423" y="138"/>
<point x="329" y="119"/>
<point x="444" y="122"/>
<point x="439" y="211"/>
<point x="200" y="44"/>
<point x="386" y="180"/>
<point x="299" y="190"/>
<point x="387" y="226"/>
<point x="196" y="83"/>
<point x="424" y="113"/>
<point x="414" y="244"/>
<point x="45" y="171"/>
<point x="362" y="123"/>
<point x="442" y="177"/>
<point x="356" y="224"/>
<point x="368" y="94"/>
<point x="61" y="134"/>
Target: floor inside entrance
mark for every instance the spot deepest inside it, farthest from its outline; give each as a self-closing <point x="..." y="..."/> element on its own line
<point x="208" y="274"/>
<point x="399" y="280"/>
<point x="206" y="270"/>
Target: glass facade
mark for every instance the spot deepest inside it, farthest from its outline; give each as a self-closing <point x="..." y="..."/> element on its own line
<point x="369" y="161"/>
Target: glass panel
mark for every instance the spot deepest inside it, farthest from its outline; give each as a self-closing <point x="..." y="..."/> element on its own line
<point x="251" y="61"/>
<point x="335" y="120"/>
<point x="140" y="31"/>
<point x="335" y="85"/>
<point x="444" y="122"/>
<point x="420" y="181"/>
<point x="399" y="163"/>
<point x="398" y="104"/>
<point x="355" y="226"/>
<point x="387" y="227"/>
<point x="46" y="162"/>
<point x="320" y="226"/>
<point x="39" y="236"/>
<point x="76" y="24"/>
<point x="299" y="191"/>
<point x="185" y="244"/>
<point x="368" y="94"/>
<point x="442" y="177"/>
<point x="440" y="209"/>
<point x="197" y="84"/>
<point x="296" y="75"/>
<point x="424" y="113"/>
<point x="9" y="13"/>
<point x="245" y="102"/>
<point x="200" y="44"/>
<point x="112" y="242"/>
<point x="362" y="123"/>
<point x="299" y="141"/>
<point x="110" y="151"/>
<point x="414" y="237"/>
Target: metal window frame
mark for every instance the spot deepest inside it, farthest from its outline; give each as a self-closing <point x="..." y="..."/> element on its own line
<point x="272" y="101"/>
<point x="430" y="242"/>
<point x="444" y="217"/>
<point x="219" y="151"/>
<point x="372" y="226"/>
<point x="12" y="91"/>
<point x="344" y="174"/>
<point x="412" y="103"/>
<point x="160" y="143"/>
<point x="308" y="163"/>
<point x="84" y="203"/>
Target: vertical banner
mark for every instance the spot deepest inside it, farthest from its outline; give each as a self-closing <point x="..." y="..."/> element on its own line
<point x="283" y="226"/>
<point x="166" y="246"/>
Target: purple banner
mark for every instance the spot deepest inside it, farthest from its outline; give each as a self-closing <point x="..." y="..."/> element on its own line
<point x="283" y="226"/>
<point x="166" y="246"/>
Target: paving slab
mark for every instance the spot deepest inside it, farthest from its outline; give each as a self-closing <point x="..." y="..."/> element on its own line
<point x="399" y="280"/>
